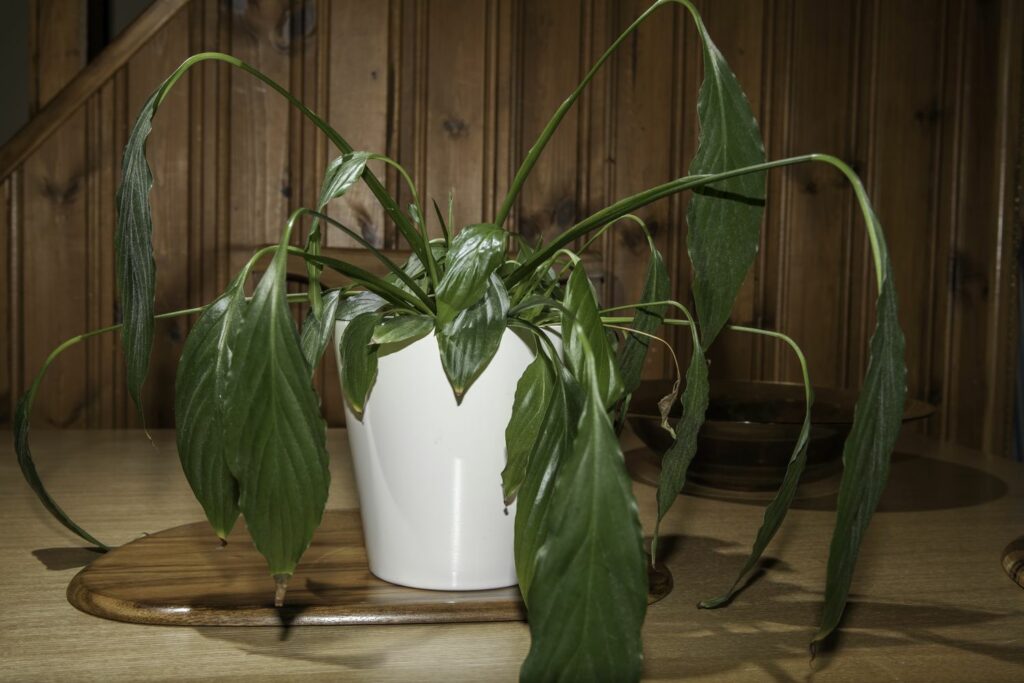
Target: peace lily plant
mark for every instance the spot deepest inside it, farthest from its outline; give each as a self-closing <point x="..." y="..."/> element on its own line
<point x="252" y="440"/>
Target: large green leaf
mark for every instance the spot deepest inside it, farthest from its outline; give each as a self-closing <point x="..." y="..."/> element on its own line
<point x="317" y="330"/>
<point x="199" y="412"/>
<point x="876" y="424"/>
<point x="588" y="596"/>
<point x="676" y="461"/>
<point x="554" y="441"/>
<point x="133" y="247"/>
<point x="402" y="328"/>
<point x="647" y="319"/>
<point x="584" y="334"/>
<point x="725" y="218"/>
<point x="469" y="341"/>
<point x="358" y="360"/>
<point x="775" y="513"/>
<point x="278" y="453"/>
<point x="529" y="410"/>
<point x="475" y="253"/>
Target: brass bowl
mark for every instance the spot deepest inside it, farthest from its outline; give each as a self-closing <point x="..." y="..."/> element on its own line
<point x="751" y="428"/>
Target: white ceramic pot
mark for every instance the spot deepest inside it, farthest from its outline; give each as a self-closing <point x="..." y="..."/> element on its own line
<point x="428" y="470"/>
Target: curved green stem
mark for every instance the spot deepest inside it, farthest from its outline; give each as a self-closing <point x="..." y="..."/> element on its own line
<point x="431" y="263"/>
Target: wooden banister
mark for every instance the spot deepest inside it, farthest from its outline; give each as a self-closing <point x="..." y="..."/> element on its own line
<point x="87" y="82"/>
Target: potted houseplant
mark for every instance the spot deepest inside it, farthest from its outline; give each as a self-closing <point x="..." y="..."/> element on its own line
<point x="252" y="441"/>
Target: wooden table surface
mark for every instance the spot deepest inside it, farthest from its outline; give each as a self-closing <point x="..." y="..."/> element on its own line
<point x="930" y="601"/>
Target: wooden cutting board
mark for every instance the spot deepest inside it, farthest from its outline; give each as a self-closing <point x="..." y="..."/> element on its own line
<point x="182" y="576"/>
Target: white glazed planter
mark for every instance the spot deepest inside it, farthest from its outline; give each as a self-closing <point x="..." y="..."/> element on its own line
<point x="428" y="470"/>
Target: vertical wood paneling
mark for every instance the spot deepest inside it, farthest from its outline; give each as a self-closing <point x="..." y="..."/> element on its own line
<point x="550" y="67"/>
<point x="974" y="285"/>
<point x="454" y="116"/>
<point x="260" y="181"/>
<point x="810" y="242"/>
<point x="926" y="105"/>
<point x="642" y="151"/>
<point x="358" y="107"/>
<point x="909" y="44"/>
<point x="7" y="364"/>
<point x="53" y="211"/>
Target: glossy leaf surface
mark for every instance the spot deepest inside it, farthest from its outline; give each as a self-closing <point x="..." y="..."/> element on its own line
<point x="529" y="410"/>
<point x="555" y="439"/>
<point x="359" y="360"/>
<point x="401" y="329"/>
<point x="588" y="595"/>
<point x="725" y="218"/>
<point x="199" y="413"/>
<point x="317" y="331"/>
<point x="475" y="253"/>
<point x="363" y="302"/>
<point x="278" y="453"/>
<point x="584" y="334"/>
<point x="469" y="341"/>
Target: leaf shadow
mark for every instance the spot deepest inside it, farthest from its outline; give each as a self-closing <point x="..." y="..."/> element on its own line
<point x="771" y="621"/>
<point x="61" y="559"/>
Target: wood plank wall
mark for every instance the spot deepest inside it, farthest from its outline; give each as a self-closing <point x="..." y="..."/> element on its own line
<point x="922" y="97"/>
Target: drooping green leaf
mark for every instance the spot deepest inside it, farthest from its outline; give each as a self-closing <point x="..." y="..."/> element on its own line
<point x="363" y="302"/>
<point x="133" y="247"/>
<point x="584" y="329"/>
<point x="647" y="319"/>
<point x="317" y="331"/>
<point x="529" y="410"/>
<point x="278" y="453"/>
<point x="358" y="360"/>
<point x="199" y="411"/>
<point x="469" y="341"/>
<point x="402" y="328"/>
<point x="554" y="441"/>
<point x="775" y="513"/>
<point x="475" y="253"/>
<point x="725" y="218"/>
<point x="22" y="417"/>
<point x="868" y="448"/>
<point x="588" y="595"/>
<point x="676" y="461"/>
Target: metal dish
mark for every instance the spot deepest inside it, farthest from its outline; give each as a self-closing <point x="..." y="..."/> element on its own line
<point x="751" y="428"/>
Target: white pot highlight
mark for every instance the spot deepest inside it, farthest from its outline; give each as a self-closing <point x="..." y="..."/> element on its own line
<point x="428" y="470"/>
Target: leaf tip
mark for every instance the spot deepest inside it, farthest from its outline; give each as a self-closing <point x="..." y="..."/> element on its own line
<point x="280" y="588"/>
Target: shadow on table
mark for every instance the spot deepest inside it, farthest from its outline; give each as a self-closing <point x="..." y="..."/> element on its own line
<point x="771" y="621"/>
<point x="917" y="483"/>
<point x="340" y="646"/>
<point x="60" y="559"/>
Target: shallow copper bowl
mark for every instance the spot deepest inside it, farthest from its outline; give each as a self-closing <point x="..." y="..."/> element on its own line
<point x="751" y="428"/>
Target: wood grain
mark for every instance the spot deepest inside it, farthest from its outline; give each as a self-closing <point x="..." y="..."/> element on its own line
<point x="929" y="602"/>
<point x="184" y="577"/>
<point x="925" y="103"/>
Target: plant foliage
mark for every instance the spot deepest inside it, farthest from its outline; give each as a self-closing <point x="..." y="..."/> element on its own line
<point x="252" y="441"/>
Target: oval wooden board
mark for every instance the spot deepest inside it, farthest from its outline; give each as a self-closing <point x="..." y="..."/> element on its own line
<point x="182" y="576"/>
